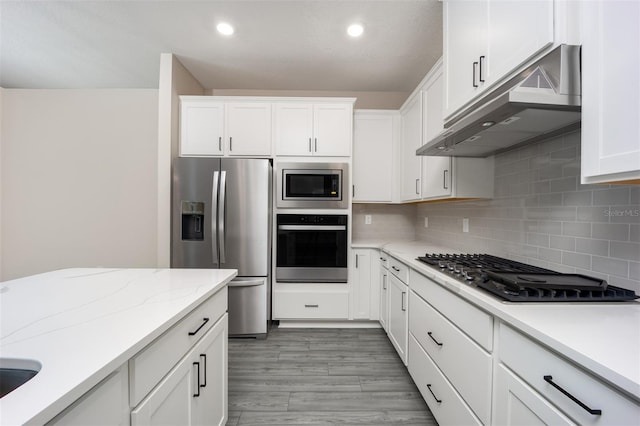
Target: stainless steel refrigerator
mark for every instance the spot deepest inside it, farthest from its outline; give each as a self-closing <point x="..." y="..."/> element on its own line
<point x="221" y="218"/>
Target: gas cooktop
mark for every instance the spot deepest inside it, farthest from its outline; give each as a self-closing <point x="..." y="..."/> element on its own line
<point x="518" y="282"/>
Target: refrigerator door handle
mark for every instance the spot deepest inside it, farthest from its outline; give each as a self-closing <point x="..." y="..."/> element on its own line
<point x="214" y="211"/>
<point x="246" y="283"/>
<point x="222" y="215"/>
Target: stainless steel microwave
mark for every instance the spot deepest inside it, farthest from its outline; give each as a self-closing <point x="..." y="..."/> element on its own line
<point x="312" y="185"/>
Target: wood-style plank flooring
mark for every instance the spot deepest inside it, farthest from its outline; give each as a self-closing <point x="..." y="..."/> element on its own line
<point x="322" y="377"/>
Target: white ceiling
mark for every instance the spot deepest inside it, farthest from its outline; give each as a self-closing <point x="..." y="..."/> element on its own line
<point x="278" y="44"/>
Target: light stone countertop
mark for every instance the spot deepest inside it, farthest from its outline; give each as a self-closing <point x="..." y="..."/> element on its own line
<point x="82" y="324"/>
<point x="601" y="337"/>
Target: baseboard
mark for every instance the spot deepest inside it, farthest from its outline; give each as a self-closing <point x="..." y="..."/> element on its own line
<point x="328" y="324"/>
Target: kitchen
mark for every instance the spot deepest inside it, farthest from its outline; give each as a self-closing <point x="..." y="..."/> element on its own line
<point x="540" y="212"/>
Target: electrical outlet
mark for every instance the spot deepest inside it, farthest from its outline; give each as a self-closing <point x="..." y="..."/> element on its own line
<point x="426" y="222"/>
<point x="367" y="219"/>
<point x="465" y="224"/>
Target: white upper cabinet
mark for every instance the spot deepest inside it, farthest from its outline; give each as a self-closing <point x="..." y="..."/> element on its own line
<point x="294" y="128"/>
<point x="323" y="129"/>
<point x="411" y="140"/>
<point x="610" y="91"/>
<point x="374" y="134"/>
<point x="215" y="127"/>
<point x="485" y="40"/>
<point x="201" y="127"/>
<point x="248" y="128"/>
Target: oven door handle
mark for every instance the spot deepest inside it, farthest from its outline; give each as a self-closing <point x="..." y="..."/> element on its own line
<point x="312" y="227"/>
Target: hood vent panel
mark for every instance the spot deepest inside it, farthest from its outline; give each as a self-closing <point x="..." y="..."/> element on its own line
<point x="539" y="103"/>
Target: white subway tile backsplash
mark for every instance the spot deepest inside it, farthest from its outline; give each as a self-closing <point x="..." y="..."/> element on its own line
<point x="628" y="251"/>
<point x="611" y="266"/>
<point x="542" y="215"/>
<point x="611" y="196"/>
<point x="576" y="229"/>
<point x="576" y="259"/>
<point x="589" y="246"/>
<point x="611" y="231"/>
<point x="562" y="243"/>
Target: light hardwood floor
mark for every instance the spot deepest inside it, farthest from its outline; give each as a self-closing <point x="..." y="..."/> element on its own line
<point x="322" y="377"/>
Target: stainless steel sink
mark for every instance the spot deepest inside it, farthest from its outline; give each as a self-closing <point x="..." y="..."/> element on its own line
<point x="15" y="373"/>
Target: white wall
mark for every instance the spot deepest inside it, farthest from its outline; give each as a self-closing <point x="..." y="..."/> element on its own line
<point x="175" y="80"/>
<point x="79" y="179"/>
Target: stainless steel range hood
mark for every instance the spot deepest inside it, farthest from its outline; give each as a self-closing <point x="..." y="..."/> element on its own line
<point x="542" y="101"/>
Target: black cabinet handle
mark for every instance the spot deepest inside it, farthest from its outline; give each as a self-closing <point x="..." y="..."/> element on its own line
<point x="204" y="365"/>
<point x="434" y="395"/>
<point x="475" y="66"/>
<point x="311" y="306"/>
<point x="356" y="260"/>
<point x="220" y="143"/>
<point x="395" y="269"/>
<point x="444" y="179"/>
<point x="230" y="143"/>
<point x="434" y="339"/>
<point x="204" y="321"/>
<point x="197" y="394"/>
<point x="549" y="379"/>
<point x="480" y="73"/>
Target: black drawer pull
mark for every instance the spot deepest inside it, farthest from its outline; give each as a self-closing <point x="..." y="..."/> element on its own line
<point x="434" y="339"/>
<point x="204" y="365"/>
<point x="434" y="395"/>
<point x="204" y="321"/>
<point x="395" y="269"/>
<point x="311" y="306"/>
<point x="549" y="379"/>
<point x="197" y="394"/>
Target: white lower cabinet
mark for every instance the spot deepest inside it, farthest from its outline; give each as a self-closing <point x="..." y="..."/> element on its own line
<point x="191" y="394"/>
<point x="445" y="403"/>
<point x="106" y="404"/>
<point x="397" y="326"/>
<point x="447" y="345"/>
<point x="521" y="405"/>
<point x="553" y="379"/>
<point x="311" y="304"/>
<point x="361" y="285"/>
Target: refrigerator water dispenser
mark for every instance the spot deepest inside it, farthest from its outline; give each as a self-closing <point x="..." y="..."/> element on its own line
<point x="192" y="221"/>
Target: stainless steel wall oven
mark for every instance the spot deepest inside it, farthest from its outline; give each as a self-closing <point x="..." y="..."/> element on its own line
<point x="311" y="248"/>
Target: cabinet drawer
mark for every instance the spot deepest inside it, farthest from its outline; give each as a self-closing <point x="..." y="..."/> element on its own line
<point x="311" y="305"/>
<point x="384" y="260"/>
<point x="445" y="403"/>
<point x="151" y="364"/>
<point x="475" y="323"/>
<point x="447" y="346"/>
<point x="532" y="362"/>
<point x="399" y="269"/>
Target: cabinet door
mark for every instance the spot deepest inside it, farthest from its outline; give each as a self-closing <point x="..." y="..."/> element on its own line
<point x="210" y="408"/>
<point x="361" y="284"/>
<point x="384" y="298"/>
<point x="373" y="136"/>
<point x="411" y="141"/>
<point x="436" y="177"/>
<point x="516" y="32"/>
<point x="332" y="129"/>
<point x="170" y="402"/>
<point x="465" y="38"/>
<point x="398" y="318"/>
<point x="518" y="404"/>
<point x="432" y="106"/>
<point x="610" y="91"/>
<point x="294" y="129"/>
<point x="201" y="128"/>
<point x="248" y="128"/>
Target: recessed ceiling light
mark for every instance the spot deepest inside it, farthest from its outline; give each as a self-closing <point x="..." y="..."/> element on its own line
<point x="355" y="30"/>
<point x="224" y="28"/>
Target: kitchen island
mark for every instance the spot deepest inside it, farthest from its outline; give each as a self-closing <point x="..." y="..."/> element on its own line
<point x="82" y="325"/>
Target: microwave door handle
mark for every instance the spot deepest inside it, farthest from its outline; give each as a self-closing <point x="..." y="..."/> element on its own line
<point x="214" y="212"/>
<point x="222" y="215"/>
